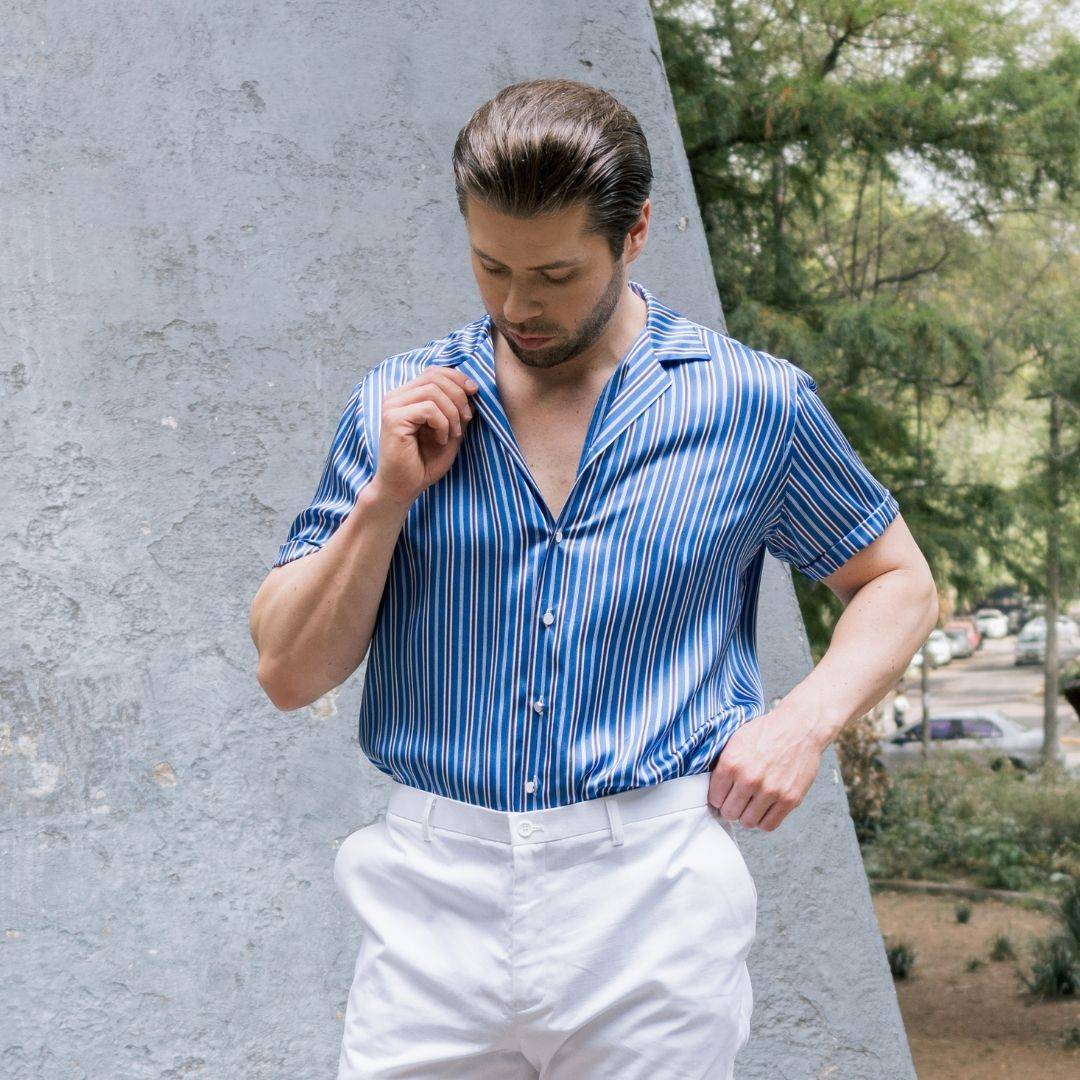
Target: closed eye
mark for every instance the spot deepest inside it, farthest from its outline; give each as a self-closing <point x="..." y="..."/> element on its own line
<point x="497" y="272"/>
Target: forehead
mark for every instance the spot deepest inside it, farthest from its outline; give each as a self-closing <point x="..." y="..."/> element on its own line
<point x="530" y="241"/>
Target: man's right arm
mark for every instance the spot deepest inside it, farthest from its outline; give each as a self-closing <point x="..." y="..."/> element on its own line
<point x="312" y="618"/>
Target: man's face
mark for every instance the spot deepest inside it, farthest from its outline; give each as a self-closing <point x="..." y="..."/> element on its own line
<point x="572" y="304"/>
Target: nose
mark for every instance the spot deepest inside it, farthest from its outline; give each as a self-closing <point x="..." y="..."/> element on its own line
<point x="518" y="309"/>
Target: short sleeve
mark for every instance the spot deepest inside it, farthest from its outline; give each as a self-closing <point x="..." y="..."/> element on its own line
<point x="831" y="506"/>
<point x="346" y="469"/>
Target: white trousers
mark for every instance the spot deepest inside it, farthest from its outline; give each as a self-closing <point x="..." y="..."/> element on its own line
<point x="603" y="939"/>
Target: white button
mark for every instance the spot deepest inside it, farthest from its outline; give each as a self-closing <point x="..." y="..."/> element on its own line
<point x="538" y="705"/>
<point x="530" y="786"/>
<point x="558" y="535"/>
<point x="549" y="618"/>
<point x="525" y="828"/>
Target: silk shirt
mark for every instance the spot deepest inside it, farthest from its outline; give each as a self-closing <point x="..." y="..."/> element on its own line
<point x="522" y="660"/>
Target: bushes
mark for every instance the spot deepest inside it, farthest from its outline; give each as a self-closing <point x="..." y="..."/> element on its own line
<point x="1056" y="970"/>
<point x="901" y="958"/>
<point x="865" y="781"/>
<point x="953" y="817"/>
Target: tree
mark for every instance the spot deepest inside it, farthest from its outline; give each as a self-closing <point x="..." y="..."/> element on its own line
<point x="801" y="121"/>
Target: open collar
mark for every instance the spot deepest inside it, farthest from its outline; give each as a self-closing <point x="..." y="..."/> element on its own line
<point x="641" y="377"/>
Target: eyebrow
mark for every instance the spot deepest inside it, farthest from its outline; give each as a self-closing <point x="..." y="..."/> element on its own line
<point x="546" y="266"/>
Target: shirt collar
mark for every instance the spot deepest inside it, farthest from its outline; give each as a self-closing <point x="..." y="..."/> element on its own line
<point x="672" y="336"/>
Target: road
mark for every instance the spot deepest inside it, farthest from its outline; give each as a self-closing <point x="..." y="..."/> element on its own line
<point x="990" y="678"/>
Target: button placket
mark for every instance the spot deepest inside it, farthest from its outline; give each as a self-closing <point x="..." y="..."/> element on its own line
<point x="544" y="658"/>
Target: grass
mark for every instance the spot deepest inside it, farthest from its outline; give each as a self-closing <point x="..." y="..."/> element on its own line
<point x="1002" y="948"/>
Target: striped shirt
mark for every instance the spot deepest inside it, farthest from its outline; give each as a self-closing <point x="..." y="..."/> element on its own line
<point x="521" y="661"/>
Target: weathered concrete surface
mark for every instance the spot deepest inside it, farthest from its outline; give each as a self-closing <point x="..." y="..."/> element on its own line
<point x="215" y="217"/>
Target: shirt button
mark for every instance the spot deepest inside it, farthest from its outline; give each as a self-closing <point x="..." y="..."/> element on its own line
<point x="549" y="618"/>
<point x="525" y="828"/>
<point x="558" y="536"/>
<point x="538" y="705"/>
<point x="530" y="786"/>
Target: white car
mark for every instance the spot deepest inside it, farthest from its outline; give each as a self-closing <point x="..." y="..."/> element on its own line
<point x="1031" y="641"/>
<point x="985" y="734"/>
<point x="938" y="648"/>
<point x="992" y="622"/>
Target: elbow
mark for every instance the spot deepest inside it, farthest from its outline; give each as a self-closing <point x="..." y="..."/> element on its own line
<point x="281" y="695"/>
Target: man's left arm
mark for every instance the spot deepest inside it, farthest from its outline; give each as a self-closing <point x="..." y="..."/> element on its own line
<point x="890" y="606"/>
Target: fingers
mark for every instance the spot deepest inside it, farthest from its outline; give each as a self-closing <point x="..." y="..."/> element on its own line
<point x="449" y="405"/>
<point x="457" y="386"/>
<point x="448" y="391"/>
<point x="431" y="413"/>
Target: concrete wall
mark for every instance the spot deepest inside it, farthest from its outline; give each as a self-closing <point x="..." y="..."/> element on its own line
<point x="214" y="218"/>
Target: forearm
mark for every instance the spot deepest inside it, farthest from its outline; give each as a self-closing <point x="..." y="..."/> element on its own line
<point x="879" y="631"/>
<point x="313" y="618"/>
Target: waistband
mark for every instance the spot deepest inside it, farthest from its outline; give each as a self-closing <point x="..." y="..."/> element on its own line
<point x="606" y="813"/>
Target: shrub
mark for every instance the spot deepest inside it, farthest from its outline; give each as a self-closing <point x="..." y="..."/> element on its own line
<point x="1056" y="970"/>
<point x="952" y="816"/>
<point x="1070" y="910"/>
<point x="901" y="959"/>
<point x="865" y="779"/>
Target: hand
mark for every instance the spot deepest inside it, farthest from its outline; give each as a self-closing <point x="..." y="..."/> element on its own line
<point x="765" y="770"/>
<point x="421" y="428"/>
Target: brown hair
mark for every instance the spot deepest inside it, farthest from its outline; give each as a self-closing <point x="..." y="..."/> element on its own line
<point x="541" y="145"/>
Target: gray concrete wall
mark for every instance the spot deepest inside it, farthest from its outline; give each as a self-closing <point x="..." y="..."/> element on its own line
<point x="215" y="217"/>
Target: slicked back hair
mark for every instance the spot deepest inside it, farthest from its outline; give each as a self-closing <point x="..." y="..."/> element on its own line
<point x="542" y="145"/>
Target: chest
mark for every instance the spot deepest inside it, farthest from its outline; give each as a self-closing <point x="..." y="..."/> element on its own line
<point x="674" y="492"/>
<point x="551" y="435"/>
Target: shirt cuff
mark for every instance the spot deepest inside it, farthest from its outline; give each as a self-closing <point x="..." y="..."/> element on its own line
<point x="867" y="530"/>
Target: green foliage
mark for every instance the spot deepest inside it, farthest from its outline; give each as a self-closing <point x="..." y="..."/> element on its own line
<point x="914" y="311"/>
<point x="1002" y="948"/>
<point x="901" y="959"/>
<point x="1070" y="911"/>
<point x="962" y="912"/>
<point x="952" y="817"/>
<point x="865" y="780"/>
<point x="1056" y="970"/>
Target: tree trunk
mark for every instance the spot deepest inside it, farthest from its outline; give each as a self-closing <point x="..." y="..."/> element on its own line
<point x="1051" y="742"/>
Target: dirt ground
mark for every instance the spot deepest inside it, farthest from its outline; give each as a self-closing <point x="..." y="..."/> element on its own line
<point x="970" y="1025"/>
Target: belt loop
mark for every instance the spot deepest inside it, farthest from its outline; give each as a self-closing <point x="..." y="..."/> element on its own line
<point x="427" y="816"/>
<point x="614" y="819"/>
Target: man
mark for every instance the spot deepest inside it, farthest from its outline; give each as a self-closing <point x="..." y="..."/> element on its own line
<point x="553" y="543"/>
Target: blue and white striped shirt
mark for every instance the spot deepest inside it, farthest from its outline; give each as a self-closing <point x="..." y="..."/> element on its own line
<point x="521" y="661"/>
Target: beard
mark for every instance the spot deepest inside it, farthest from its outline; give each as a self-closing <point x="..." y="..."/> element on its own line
<point x="590" y="331"/>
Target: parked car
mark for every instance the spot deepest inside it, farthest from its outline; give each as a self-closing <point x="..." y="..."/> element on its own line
<point x="961" y="639"/>
<point x="1030" y="645"/>
<point x="978" y="638"/>
<point x="985" y="734"/>
<point x="938" y="648"/>
<point x="993" y="622"/>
